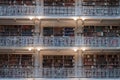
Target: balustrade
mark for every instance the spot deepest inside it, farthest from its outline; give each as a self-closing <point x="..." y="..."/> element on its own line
<point x="17" y="10"/>
<point x="22" y="10"/>
<point x="23" y="72"/>
<point x="100" y="11"/>
<point x="25" y="41"/>
<point x="59" y="11"/>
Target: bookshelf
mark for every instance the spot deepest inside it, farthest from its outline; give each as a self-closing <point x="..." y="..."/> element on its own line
<point x="16" y="30"/>
<point x="3" y="61"/>
<point x="48" y="31"/>
<point x="113" y="61"/>
<point x="69" y="61"/>
<point x="26" y="60"/>
<point x="58" y="31"/>
<point x="101" y="31"/>
<point x="100" y="2"/>
<point x="17" y="2"/>
<point x="101" y="61"/>
<point x="59" y="3"/>
<point x="89" y="61"/>
<point x="16" y="60"/>
<point x="58" y="61"/>
<point x="69" y="31"/>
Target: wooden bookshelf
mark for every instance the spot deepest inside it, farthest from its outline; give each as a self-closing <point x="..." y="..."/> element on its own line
<point x="101" y="61"/>
<point x="100" y="2"/>
<point x="17" y="2"/>
<point x="26" y="60"/>
<point x="16" y="60"/>
<point x="16" y="30"/>
<point x="58" y="31"/>
<point x="59" y="3"/>
<point x="101" y="31"/>
<point x="58" y="61"/>
<point x="69" y="61"/>
<point x="89" y="61"/>
<point x="3" y="61"/>
<point x="69" y="31"/>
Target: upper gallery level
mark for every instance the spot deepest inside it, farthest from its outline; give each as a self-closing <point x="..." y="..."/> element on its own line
<point x="23" y="36"/>
<point x="61" y="8"/>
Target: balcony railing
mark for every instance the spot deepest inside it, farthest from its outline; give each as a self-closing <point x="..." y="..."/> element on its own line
<point x="59" y="11"/>
<point x="100" y="11"/>
<point x="58" y="73"/>
<point x="22" y="10"/>
<point x="17" y="10"/>
<point x="78" y="41"/>
<point x="59" y="41"/>
<point x="16" y="41"/>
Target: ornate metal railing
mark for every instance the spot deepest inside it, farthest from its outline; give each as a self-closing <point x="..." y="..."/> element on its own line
<point x="78" y="41"/>
<point x="17" y="10"/>
<point x="16" y="72"/>
<point x="101" y="73"/>
<point x="100" y="11"/>
<point x="22" y="10"/>
<point x="30" y="72"/>
<point x="16" y="41"/>
<point x="98" y="41"/>
<point x="59" y="11"/>
<point x="59" y="41"/>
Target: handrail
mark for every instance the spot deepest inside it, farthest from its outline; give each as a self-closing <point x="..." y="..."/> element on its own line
<point x="25" y="10"/>
<point x="65" y="41"/>
<point x="30" y="72"/>
<point x="100" y="11"/>
<point x="17" y="10"/>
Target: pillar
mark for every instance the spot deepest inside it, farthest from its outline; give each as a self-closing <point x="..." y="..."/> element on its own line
<point x="37" y="27"/>
<point x="37" y="33"/>
<point x="41" y="7"/>
<point x="77" y="7"/>
<point x="76" y="63"/>
<point x="80" y="63"/>
<point x="37" y="64"/>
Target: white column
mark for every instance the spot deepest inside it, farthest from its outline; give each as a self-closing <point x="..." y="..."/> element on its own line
<point x="80" y="7"/>
<point x="37" y="39"/>
<point x="76" y="64"/>
<point x="40" y="63"/>
<point x="41" y="29"/>
<point x="37" y="27"/>
<point x="77" y="7"/>
<point x="42" y="7"/>
<point x="80" y="63"/>
<point x="36" y="63"/>
<point x="36" y="43"/>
